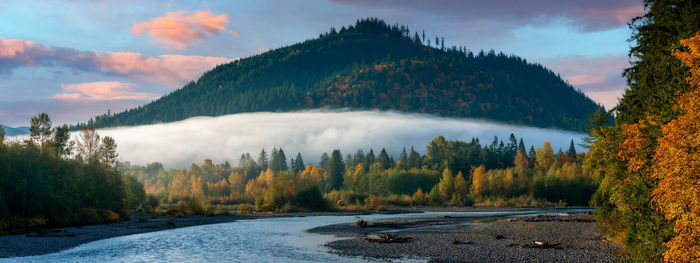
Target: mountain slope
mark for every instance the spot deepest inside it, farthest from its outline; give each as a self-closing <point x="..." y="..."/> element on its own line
<point x="372" y="65"/>
<point x="10" y="131"/>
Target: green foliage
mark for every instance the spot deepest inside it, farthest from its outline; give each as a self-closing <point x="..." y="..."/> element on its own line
<point x="310" y="198"/>
<point x="334" y="170"/>
<point x="371" y="65"/>
<point x="36" y="183"/>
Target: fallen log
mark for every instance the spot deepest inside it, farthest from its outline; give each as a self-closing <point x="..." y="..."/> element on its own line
<point x="387" y="238"/>
<point x="541" y="244"/>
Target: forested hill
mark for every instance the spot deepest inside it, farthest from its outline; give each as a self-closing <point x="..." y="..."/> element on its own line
<point x="372" y="65"/>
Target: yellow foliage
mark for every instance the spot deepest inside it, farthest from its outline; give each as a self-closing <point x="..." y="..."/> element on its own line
<point x="545" y="156"/>
<point x="678" y="165"/>
<point x="479" y="181"/>
<point x="521" y="164"/>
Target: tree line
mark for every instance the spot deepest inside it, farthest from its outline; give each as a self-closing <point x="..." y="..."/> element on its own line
<point x="450" y="172"/>
<point x="51" y="180"/>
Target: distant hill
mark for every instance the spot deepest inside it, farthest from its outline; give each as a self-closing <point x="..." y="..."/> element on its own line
<point x="10" y="131"/>
<point x="372" y="65"/>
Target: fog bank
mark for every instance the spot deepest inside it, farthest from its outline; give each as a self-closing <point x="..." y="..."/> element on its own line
<point x="178" y="144"/>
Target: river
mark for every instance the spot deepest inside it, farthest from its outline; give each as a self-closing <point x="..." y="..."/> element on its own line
<point x="258" y="240"/>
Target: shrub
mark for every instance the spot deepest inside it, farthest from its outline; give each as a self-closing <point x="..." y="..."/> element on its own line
<point x="310" y="198"/>
<point x="109" y="216"/>
<point x="245" y="209"/>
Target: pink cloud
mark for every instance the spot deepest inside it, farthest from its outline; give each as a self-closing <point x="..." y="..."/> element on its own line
<point x="172" y="70"/>
<point x="621" y="15"/>
<point x="168" y="69"/>
<point x="180" y="29"/>
<point x="599" y="77"/>
<point x="105" y="90"/>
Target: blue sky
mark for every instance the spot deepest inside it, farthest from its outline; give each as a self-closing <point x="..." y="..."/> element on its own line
<point x="77" y="59"/>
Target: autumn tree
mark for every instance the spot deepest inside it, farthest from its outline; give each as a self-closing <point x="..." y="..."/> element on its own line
<point x="521" y="164"/>
<point x="479" y="181"/>
<point x="677" y="165"/>
<point x="460" y="188"/>
<point x="545" y="156"/>
<point x="446" y="185"/>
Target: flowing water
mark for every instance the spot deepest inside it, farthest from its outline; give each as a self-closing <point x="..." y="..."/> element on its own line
<point x="259" y="240"/>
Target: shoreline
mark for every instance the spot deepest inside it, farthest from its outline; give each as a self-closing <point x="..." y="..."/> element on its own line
<point x="549" y="238"/>
<point x="52" y="240"/>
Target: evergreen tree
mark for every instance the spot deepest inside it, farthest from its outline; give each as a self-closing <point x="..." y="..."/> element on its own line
<point x="370" y="159"/>
<point x="2" y="135"/>
<point x="403" y="159"/>
<point x="279" y="160"/>
<point x="334" y="170"/>
<point x="298" y="163"/>
<point x="324" y="160"/>
<point x="572" y="150"/>
<point x="383" y="159"/>
<point x="532" y="155"/>
<point x="263" y="162"/>
<point x="414" y="159"/>
<point x="521" y="146"/>
<point x="359" y="157"/>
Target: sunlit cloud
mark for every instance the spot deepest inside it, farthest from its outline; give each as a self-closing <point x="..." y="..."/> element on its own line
<point x="599" y="77"/>
<point x="172" y="70"/>
<point x="181" y="29"/>
<point x="311" y="133"/>
<point x="105" y="90"/>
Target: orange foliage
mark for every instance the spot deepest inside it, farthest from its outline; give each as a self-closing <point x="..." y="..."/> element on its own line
<point x="311" y="175"/>
<point x="636" y="150"/>
<point x="678" y="165"/>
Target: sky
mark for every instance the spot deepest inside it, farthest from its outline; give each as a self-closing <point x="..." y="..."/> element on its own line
<point x="76" y="59"/>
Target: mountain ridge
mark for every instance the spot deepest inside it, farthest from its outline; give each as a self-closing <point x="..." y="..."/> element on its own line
<point x="374" y="66"/>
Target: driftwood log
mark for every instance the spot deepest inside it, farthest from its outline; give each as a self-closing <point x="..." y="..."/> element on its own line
<point x="387" y="238"/>
<point x="365" y="224"/>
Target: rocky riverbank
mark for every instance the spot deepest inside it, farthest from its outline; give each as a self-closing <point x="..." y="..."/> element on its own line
<point x="559" y="238"/>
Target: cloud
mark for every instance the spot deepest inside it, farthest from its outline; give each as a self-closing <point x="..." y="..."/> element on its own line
<point x="181" y="29"/>
<point x="106" y="90"/>
<point x="585" y="16"/>
<point x="173" y="70"/>
<point x="599" y="77"/>
<point x="167" y="69"/>
<point x="309" y="132"/>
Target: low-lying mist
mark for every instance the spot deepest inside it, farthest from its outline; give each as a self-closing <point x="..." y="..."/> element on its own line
<point x="178" y="144"/>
